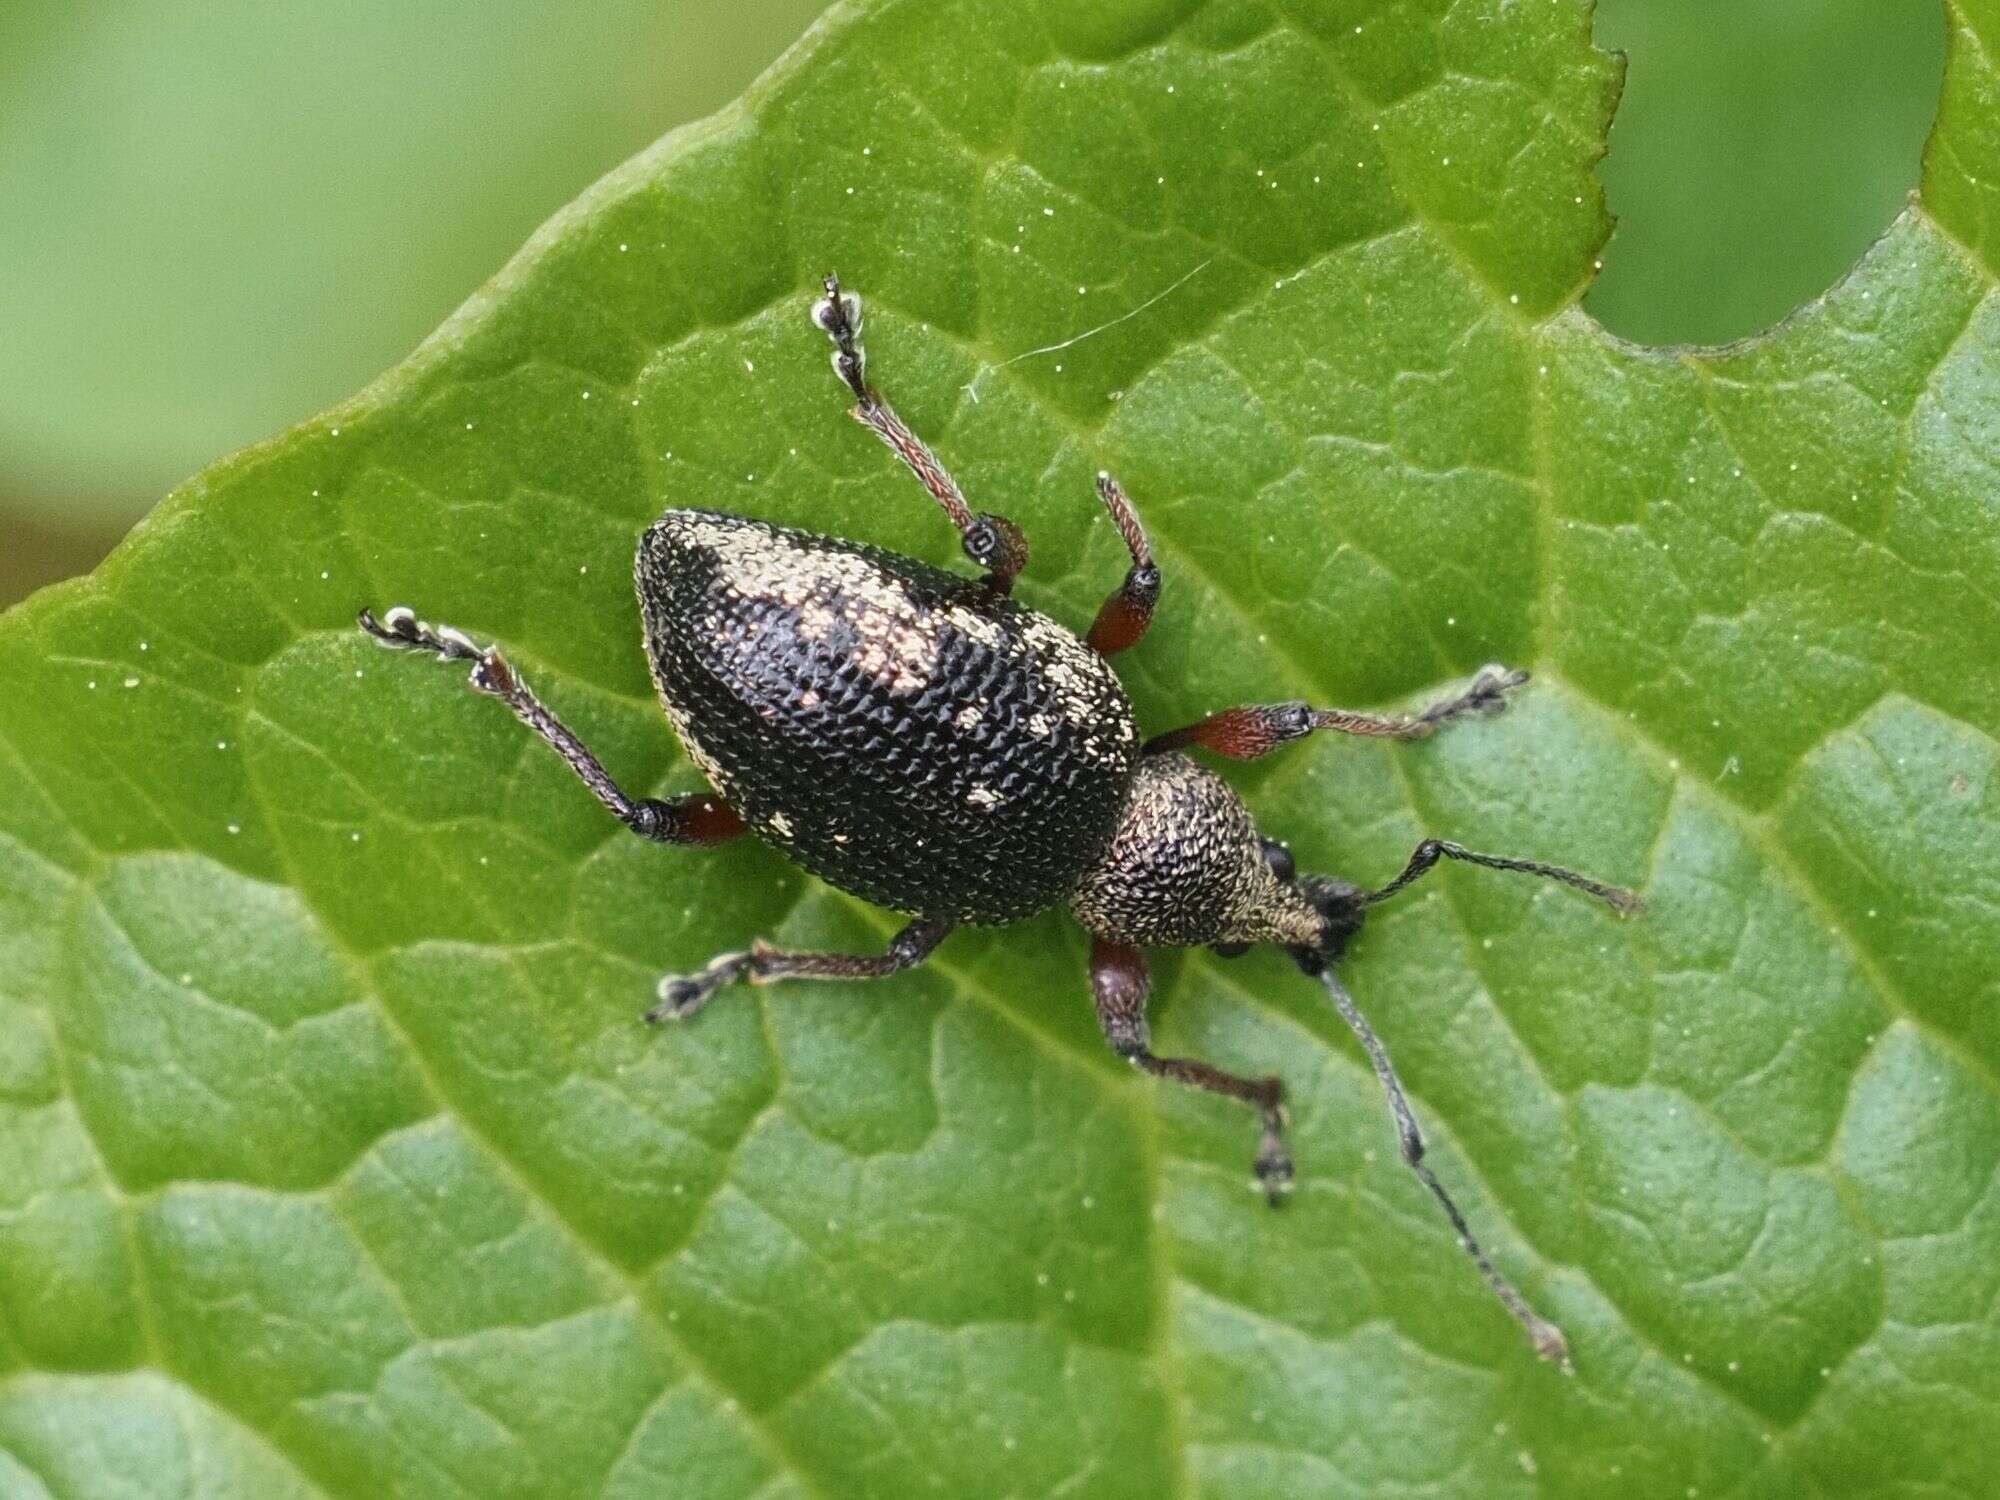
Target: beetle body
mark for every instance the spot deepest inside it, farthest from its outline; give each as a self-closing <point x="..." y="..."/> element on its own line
<point x="907" y="734"/>
<point x="922" y="740"/>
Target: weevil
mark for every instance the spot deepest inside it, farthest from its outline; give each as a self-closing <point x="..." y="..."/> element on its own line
<point x="925" y="741"/>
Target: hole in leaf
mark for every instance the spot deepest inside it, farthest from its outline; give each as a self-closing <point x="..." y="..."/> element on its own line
<point x="1760" y="148"/>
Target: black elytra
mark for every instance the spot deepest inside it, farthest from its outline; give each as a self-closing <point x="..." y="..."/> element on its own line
<point x="906" y="734"/>
<point x="927" y="742"/>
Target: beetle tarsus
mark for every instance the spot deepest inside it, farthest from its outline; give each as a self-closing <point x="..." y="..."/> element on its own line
<point x="1485" y="695"/>
<point x="838" y="316"/>
<point x="399" y="629"/>
<point x="1276" y="1176"/>
<point x="681" y="995"/>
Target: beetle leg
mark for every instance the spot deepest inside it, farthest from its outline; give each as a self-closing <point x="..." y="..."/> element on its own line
<point x="1125" y="616"/>
<point x="993" y="542"/>
<point x="1119" y="982"/>
<point x="681" y="995"/>
<point x="1430" y="851"/>
<point x="699" y="819"/>
<point x="1259" y="728"/>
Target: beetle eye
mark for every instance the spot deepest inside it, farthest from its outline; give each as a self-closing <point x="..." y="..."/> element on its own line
<point x="1280" y="859"/>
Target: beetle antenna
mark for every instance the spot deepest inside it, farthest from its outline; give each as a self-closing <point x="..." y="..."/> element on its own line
<point x="1430" y="851"/>
<point x="1545" y="1336"/>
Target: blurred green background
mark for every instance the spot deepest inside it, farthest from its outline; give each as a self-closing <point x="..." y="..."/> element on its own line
<point x="217" y="219"/>
<point x="1762" y="145"/>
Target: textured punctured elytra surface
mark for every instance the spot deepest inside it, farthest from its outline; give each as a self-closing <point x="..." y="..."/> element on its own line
<point x="335" y="1162"/>
<point x="852" y="704"/>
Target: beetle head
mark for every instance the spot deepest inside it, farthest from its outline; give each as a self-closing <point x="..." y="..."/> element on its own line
<point x="1341" y="908"/>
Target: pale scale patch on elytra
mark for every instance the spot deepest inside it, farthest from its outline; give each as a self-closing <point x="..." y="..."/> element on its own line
<point x="904" y="660"/>
<point x="898" y="641"/>
<point x="984" y="796"/>
<point x="1078" y="676"/>
<point x="1047" y="637"/>
<point x="816" y="621"/>
<point x="976" y="626"/>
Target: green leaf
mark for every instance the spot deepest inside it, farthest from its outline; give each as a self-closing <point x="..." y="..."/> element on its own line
<point x="336" y="1159"/>
<point x="1754" y="160"/>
